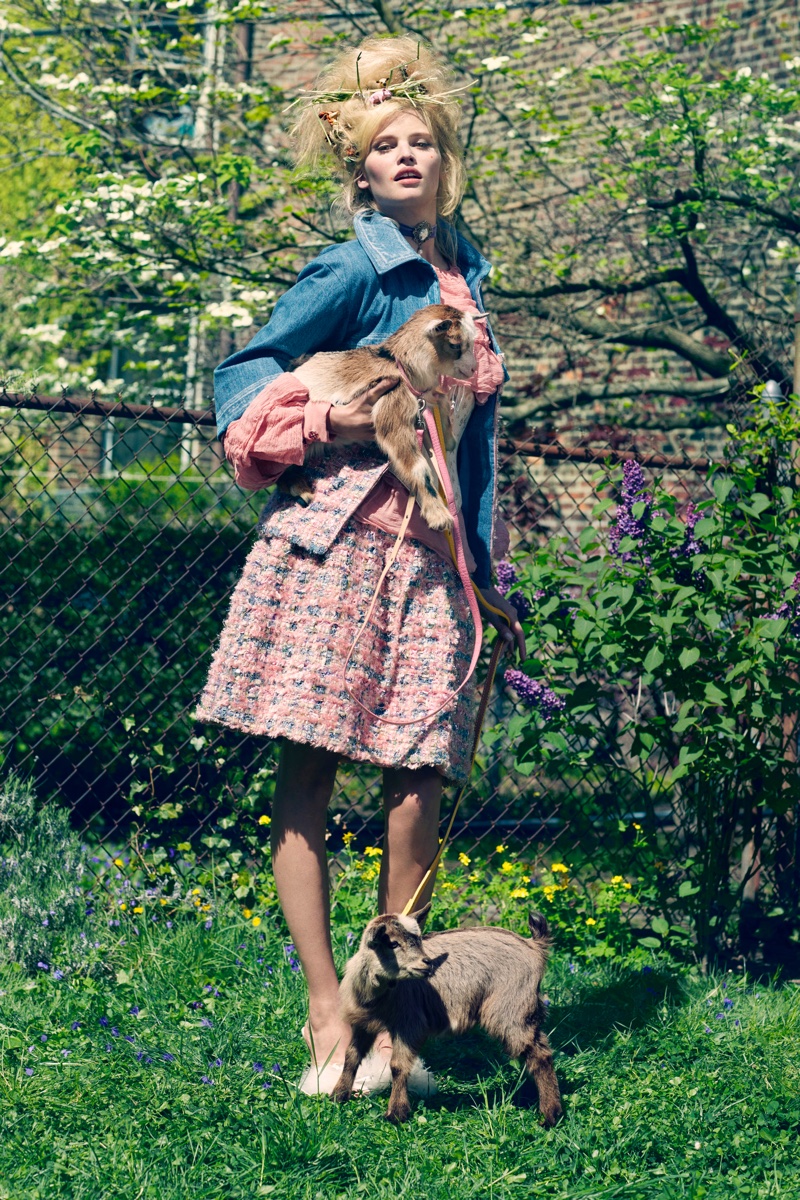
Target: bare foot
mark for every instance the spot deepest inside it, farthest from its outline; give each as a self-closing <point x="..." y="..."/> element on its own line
<point x="327" y="1041"/>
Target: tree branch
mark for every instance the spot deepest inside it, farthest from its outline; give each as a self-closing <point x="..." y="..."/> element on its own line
<point x="50" y="106"/>
<point x="561" y="397"/>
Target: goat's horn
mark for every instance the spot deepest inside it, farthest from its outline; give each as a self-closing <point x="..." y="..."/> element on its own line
<point x="481" y="317"/>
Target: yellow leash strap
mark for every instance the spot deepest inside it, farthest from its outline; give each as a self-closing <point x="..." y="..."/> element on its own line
<point x="497" y="652"/>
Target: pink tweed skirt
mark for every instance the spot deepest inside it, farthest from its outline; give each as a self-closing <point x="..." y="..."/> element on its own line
<point x="278" y="669"/>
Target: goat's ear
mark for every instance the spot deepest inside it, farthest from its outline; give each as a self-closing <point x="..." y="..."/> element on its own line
<point x="377" y="935"/>
<point x="421" y="914"/>
<point x="443" y="326"/>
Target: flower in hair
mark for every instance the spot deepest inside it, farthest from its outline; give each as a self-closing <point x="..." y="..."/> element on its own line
<point x="379" y="96"/>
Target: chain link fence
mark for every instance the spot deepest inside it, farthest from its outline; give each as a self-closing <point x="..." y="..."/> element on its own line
<point x="123" y="537"/>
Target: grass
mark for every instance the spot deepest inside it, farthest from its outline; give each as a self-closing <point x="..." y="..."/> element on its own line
<point x="675" y="1085"/>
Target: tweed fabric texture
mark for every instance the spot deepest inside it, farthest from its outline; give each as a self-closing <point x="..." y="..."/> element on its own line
<point x="278" y="668"/>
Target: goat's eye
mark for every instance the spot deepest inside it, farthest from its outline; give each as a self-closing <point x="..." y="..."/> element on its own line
<point x="394" y="945"/>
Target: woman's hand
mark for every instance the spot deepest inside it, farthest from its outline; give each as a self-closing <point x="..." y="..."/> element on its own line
<point x="353" y="422"/>
<point x="510" y="633"/>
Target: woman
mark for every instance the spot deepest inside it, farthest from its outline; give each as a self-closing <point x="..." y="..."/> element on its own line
<point x="386" y="117"/>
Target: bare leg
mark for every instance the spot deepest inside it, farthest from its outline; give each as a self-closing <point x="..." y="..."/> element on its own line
<point x="306" y="775"/>
<point x="411" y="800"/>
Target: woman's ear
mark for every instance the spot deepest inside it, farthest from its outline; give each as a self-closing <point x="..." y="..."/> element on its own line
<point x="362" y="182"/>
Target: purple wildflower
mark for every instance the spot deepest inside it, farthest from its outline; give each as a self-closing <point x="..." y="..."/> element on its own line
<point x="634" y="491"/>
<point x="114" y="1031"/>
<point x="276" y="1068"/>
<point x="104" y="1021"/>
<point x="506" y="577"/>
<point x="535" y="694"/>
<point x="168" y="1057"/>
<point x="196" y="1004"/>
<point x="207" y="924"/>
<point x="108" y="1046"/>
<point x="130" y="1039"/>
<point x="64" y="1053"/>
<point x="134" y="1011"/>
<point x="258" y="1067"/>
<point x="43" y="1038"/>
<point x="727" y="1002"/>
<point x="205" y="1023"/>
<point x="719" y="1016"/>
<point x="29" y="1070"/>
<point x="706" y="1029"/>
<point x="75" y="1025"/>
<point x="58" y="974"/>
<point x="217" y="1062"/>
<point x="205" y="1079"/>
<point x="42" y="966"/>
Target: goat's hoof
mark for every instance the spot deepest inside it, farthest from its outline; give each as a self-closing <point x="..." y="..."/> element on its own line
<point x="340" y="1095"/>
<point x="437" y="517"/>
<point x="552" y="1114"/>
<point x="399" y="1114"/>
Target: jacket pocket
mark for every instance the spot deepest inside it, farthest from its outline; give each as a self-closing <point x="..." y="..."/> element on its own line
<point x="340" y="482"/>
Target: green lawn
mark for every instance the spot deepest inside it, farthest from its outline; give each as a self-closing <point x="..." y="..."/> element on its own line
<point x="674" y="1085"/>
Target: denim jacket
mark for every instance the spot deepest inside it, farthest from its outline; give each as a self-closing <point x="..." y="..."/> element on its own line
<point x="358" y="293"/>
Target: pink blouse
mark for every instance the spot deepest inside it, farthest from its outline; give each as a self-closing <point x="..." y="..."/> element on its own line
<point x="281" y="422"/>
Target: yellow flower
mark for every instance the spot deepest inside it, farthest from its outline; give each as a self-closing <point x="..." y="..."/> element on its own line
<point x="162" y="901"/>
<point x="628" y="886"/>
<point x="500" y="849"/>
<point x="507" y="868"/>
<point x="373" y="852"/>
<point x="197" y="903"/>
<point x="347" y="838"/>
<point x="123" y="906"/>
<point x="558" y="869"/>
<point x="550" y="890"/>
<point x="206" y="907"/>
<point x="370" y="874"/>
<point x="474" y="877"/>
<point x="247" y="913"/>
<point x="636" y="825"/>
<point x="519" y="893"/>
<point x="616" y="879"/>
<point x="118" y="862"/>
<point x="138" y="909"/>
<point x="464" y="859"/>
<point x="195" y="892"/>
<point x="591" y="921"/>
<point x="256" y="922"/>
<point x="447" y="885"/>
<point x="264" y="819"/>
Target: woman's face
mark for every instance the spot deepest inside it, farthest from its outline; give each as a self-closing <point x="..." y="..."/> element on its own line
<point x="402" y="170"/>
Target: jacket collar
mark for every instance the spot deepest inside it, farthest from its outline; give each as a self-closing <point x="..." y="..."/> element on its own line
<point x="386" y="248"/>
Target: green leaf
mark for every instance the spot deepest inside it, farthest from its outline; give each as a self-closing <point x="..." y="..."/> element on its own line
<point x="582" y="628"/>
<point x="689" y="657"/>
<point x="654" y="659"/>
<point x="687" y="888"/>
<point x="650" y="943"/>
<point x="659" y="925"/>
<point x="714" y="695"/>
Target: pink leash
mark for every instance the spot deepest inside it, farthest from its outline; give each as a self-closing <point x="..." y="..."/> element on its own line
<point x="461" y="564"/>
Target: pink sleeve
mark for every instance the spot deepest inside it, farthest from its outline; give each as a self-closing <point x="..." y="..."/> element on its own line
<point x="274" y="431"/>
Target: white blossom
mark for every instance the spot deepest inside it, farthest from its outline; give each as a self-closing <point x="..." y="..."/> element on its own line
<point x="493" y="63"/>
<point x="12" y="250"/>
<point x="45" y="333"/>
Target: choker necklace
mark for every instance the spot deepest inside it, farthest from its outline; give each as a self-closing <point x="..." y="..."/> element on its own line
<point x="419" y="232"/>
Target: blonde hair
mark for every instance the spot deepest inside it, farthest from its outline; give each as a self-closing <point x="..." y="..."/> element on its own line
<point x="342" y="138"/>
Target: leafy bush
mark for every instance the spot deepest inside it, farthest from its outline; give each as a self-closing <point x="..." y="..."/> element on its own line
<point x="669" y="644"/>
<point x="41" y="870"/>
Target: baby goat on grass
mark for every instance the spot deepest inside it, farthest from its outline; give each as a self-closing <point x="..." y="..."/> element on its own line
<point x="420" y="987"/>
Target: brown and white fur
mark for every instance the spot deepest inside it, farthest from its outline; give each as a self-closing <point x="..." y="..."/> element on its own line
<point x="420" y="987"/>
<point x="436" y="340"/>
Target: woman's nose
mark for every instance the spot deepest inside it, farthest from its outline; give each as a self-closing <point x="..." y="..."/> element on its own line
<point x="406" y="153"/>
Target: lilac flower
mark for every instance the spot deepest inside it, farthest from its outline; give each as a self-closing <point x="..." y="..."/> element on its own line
<point x="634" y="491"/>
<point x="790" y="609"/>
<point x="521" y="604"/>
<point x="506" y="577"/>
<point x="535" y="694"/>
